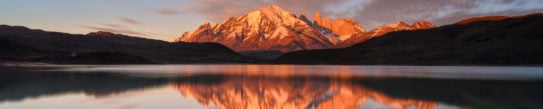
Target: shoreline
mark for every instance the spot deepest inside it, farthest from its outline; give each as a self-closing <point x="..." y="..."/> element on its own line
<point x="25" y="63"/>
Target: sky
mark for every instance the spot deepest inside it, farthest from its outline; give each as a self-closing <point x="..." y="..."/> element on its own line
<point x="168" y="19"/>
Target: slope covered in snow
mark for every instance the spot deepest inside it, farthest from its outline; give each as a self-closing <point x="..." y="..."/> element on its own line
<point x="271" y="28"/>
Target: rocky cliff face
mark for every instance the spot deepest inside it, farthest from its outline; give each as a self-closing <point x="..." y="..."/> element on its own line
<point x="344" y="28"/>
<point x="272" y="28"/>
<point x="267" y="29"/>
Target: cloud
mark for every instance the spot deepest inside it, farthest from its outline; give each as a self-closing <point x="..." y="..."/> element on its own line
<point x="166" y="11"/>
<point x="371" y="13"/>
<point x="219" y="10"/>
<point x="113" y="30"/>
<point x="112" y="25"/>
<point x="130" y="21"/>
<point x="441" y="12"/>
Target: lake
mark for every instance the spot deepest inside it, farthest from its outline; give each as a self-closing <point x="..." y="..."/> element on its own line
<point x="270" y="87"/>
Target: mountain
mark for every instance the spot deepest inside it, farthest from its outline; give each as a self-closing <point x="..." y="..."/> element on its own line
<point x="382" y="30"/>
<point x="20" y="44"/>
<point x="491" y="18"/>
<point x="268" y="29"/>
<point x="271" y="28"/>
<point x="510" y="41"/>
<point x="343" y="28"/>
<point x="479" y="19"/>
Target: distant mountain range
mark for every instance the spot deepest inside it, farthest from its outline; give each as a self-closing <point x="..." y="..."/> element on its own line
<point x="474" y="41"/>
<point x="271" y="28"/>
<point x="271" y="32"/>
<point x="20" y="44"/>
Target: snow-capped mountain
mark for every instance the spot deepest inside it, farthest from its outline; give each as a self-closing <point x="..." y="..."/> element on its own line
<point x="268" y="29"/>
<point x="382" y="30"/>
<point x="344" y="28"/>
<point x="398" y="26"/>
<point x="271" y="28"/>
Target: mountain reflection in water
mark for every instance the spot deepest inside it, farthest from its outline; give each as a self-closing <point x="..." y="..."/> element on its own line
<point x="272" y="90"/>
<point x="261" y="92"/>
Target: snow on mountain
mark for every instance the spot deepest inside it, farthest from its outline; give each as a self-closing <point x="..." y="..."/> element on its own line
<point x="382" y="30"/>
<point x="343" y="27"/>
<point x="271" y="28"/>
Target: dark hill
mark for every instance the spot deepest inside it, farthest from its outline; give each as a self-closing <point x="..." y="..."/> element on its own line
<point x="23" y="44"/>
<point x="511" y="41"/>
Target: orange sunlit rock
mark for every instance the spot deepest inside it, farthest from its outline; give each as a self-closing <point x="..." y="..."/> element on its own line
<point x="382" y="30"/>
<point x="272" y="28"/>
<point x="492" y="18"/>
<point x="478" y="19"/>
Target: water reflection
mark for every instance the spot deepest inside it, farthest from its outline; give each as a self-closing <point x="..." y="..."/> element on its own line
<point x="260" y="92"/>
<point x="17" y="86"/>
<point x="264" y="90"/>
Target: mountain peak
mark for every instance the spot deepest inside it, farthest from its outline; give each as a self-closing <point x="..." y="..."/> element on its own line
<point x="272" y="7"/>
<point x="271" y="28"/>
<point x="423" y="21"/>
<point x="405" y="26"/>
<point x="317" y="17"/>
<point x="423" y="25"/>
<point x="398" y="24"/>
<point x="272" y="13"/>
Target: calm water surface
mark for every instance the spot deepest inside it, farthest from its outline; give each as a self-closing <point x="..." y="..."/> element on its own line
<point x="270" y="87"/>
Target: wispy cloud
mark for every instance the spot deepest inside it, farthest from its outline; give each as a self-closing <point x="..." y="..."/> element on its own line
<point x="112" y="25"/>
<point x="113" y="30"/>
<point x="130" y="21"/>
<point x="166" y="11"/>
<point x="218" y="10"/>
<point x="440" y="12"/>
<point x="371" y="13"/>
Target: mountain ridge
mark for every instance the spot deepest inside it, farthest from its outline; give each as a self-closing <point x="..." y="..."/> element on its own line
<point x="511" y="41"/>
<point x="266" y="28"/>
<point x="271" y="28"/>
<point x="31" y="45"/>
<point x="385" y="29"/>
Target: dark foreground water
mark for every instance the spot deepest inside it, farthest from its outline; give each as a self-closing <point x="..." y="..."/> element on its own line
<point x="270" y="87"/>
